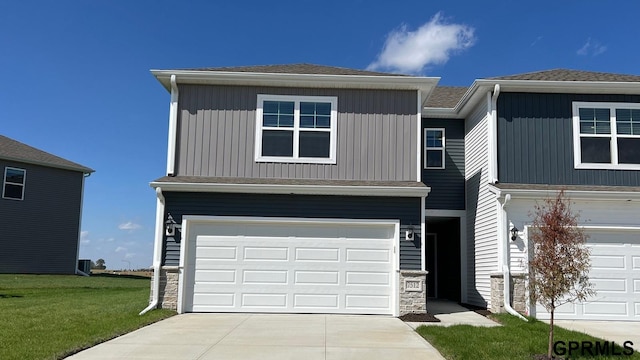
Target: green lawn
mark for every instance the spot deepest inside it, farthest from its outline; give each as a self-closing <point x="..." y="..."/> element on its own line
<point x="516" y="339"/>
<point x="51" y="316"/>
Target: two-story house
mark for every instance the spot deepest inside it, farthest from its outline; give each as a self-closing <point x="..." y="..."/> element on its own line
<point x="314" y="189"/>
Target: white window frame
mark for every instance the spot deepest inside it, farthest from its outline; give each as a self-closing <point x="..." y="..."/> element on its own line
<point x="296" y="129"/>
<point x="442" y="148"/>
<point x="577" y="152"/>
<point x="5" y="182"/>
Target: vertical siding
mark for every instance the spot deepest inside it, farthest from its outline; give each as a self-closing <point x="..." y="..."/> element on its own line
<point x="407" y="210"/>
<point x="535" y="141"/>
<point x="447" y="185"/>
<point x="40" y="234"/>
<point x="375" y="134"/>
<point x="482" y="251"/>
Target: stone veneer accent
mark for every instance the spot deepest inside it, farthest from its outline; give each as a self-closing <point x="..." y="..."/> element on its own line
<point x="168" y="287"/>
<point x="518" y="293"/>
<point x="412" y="301"/>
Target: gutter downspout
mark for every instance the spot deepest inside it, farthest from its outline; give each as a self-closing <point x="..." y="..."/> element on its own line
<point x="506" y="272"/>
<point x="493" y="134"/>
<point x="173" y="128"/>
<point x="157" y="251"/>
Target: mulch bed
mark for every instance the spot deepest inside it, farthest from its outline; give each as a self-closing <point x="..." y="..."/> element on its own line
<point x="422" y="317"/>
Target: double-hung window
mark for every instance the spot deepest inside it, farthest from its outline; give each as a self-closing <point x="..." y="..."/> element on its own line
<point x="434" y="142"/>
<point x="606" y="135"/>
<point x="13" y="185"/>
<point x="296" y="129"/>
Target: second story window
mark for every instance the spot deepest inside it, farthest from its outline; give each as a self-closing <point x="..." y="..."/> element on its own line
<point x="434" y="148"/>
<point x="296" y="129"/>
<point x="13" y="186"/>
<point x="606" y="135"/>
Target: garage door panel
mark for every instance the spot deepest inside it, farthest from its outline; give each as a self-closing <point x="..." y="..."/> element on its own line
<point x="601" y="262"/>
<point x="636" y="262"/>
<point x="609" y="285"/>
<point x="316" y="277"/>
<point x="317" y="254"/>
<point x="292" y="268"/>
<point x="606" y="308"/>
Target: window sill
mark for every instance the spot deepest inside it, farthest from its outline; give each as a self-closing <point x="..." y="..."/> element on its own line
<point x="273" y="159"/>
<point x="586" y="166"/>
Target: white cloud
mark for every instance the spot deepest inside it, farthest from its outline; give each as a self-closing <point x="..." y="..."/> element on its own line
<point x="83" y="237"/>
<point x="129" y="225"/>
<point x="129" y="255"/>
<point x="433" y="43"/>
<point x="121" y="249"/>
<point x="591" y="47"/>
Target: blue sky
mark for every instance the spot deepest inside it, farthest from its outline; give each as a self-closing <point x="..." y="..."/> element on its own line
<point x="76" y="82"/>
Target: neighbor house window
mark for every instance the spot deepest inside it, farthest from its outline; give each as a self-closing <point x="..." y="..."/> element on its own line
<point x="434" y="148"/>
<point x="606" y="135"/>
<point x="297" y="129"/>
<point x="13" y="186"/>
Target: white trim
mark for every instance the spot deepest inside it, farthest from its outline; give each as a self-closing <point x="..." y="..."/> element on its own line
<point x="297" y="189"/>
<point x="5" y="182"/>
<point x="493" y="134"/>
<point x="604" y="195"/>
<point x="418" y="138"/>
<point x="424" y="84"/>
<point x="613" y="135"/>
<point x="296" y="129"/>
<point x="172" y="139"/>
<point x="187" y="220"/>
<point x="441" y="148"/>
<point x="80" y="223"/>
<point x="445" y="213"/>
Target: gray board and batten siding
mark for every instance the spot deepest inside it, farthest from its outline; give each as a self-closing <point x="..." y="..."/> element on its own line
<point x="535" y="141"/>
<point x="41" y="231"/>
<point x="407" y="210"/>
<point x="448" y="184"/>
<point x="376" y="137"/>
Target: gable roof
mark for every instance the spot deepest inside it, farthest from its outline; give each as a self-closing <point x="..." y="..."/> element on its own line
<point x="16" y="151"/>
<point x="301" y="68"/>
<point x="570" y="75"/>
<point x="446" y="96"/>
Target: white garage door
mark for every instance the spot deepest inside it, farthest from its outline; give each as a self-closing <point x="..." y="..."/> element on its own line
<point x="289" y="266"/>
<point x="615" y="274"/>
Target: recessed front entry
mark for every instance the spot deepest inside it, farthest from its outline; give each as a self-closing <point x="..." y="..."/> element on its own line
<point x="289" y="266"/>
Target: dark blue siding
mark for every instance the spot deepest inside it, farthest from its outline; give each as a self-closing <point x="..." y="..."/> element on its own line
<point x="535" y="141"/>
<point x="40" y="233"/>
<point x="407" y="210"/>
<point x="447" y="185"/>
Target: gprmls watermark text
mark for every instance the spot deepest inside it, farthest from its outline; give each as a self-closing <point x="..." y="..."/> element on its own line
<point x="592" y="348"/>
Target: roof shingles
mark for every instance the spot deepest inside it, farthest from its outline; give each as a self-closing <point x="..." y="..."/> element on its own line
<point x="570" y="75"/>
<point x="16" y="151"/>
<point x="297" y="69"/>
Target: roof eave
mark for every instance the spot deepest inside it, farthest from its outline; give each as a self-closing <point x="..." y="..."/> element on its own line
<point x="81" y="169"/>
<point x="402" y="191"/>
<point x="424" y="84"/>
<point x="605" y="195"/>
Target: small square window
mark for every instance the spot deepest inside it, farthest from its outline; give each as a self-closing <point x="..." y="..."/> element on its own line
<point x="14" y="181"/>
<point x="434" y="149"/>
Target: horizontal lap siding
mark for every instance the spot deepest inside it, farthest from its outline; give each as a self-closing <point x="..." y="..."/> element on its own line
<point x="535" y="141"/>
<point x="376" y="137"/>
<point x="482" y="251"/>
<point x="447" y="185"/>
<point x="407" y="210"/>
<point x="41" y="231"/>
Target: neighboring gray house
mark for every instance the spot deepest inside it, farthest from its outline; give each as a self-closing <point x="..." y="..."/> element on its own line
<point x="306" y="188"/>
<point x="42" y="204"/>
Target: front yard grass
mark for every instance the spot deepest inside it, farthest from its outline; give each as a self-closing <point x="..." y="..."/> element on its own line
<point x="52" y="316"/>
<point x="516" y="339"/>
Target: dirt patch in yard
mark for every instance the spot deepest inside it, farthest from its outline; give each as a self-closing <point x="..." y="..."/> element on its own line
<point x="419" y="317"/>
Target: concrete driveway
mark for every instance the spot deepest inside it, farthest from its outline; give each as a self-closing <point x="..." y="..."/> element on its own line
<point x="267" y="336"/>
<point x="618" y="331"/>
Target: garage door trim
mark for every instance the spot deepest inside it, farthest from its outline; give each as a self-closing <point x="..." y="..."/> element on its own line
<point x="189" y="220"/>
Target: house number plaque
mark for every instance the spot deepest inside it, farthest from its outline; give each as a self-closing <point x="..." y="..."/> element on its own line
<point x="412" y="285"/>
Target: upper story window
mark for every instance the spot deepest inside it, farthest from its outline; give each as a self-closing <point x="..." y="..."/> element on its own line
<point x="434" y="148"/>
<point x="606" y="135"/>
<point x="13" y="185"/>
<point x="296" y="129"/>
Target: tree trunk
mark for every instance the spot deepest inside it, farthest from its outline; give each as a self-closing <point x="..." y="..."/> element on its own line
<point x="549" y="351"/>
